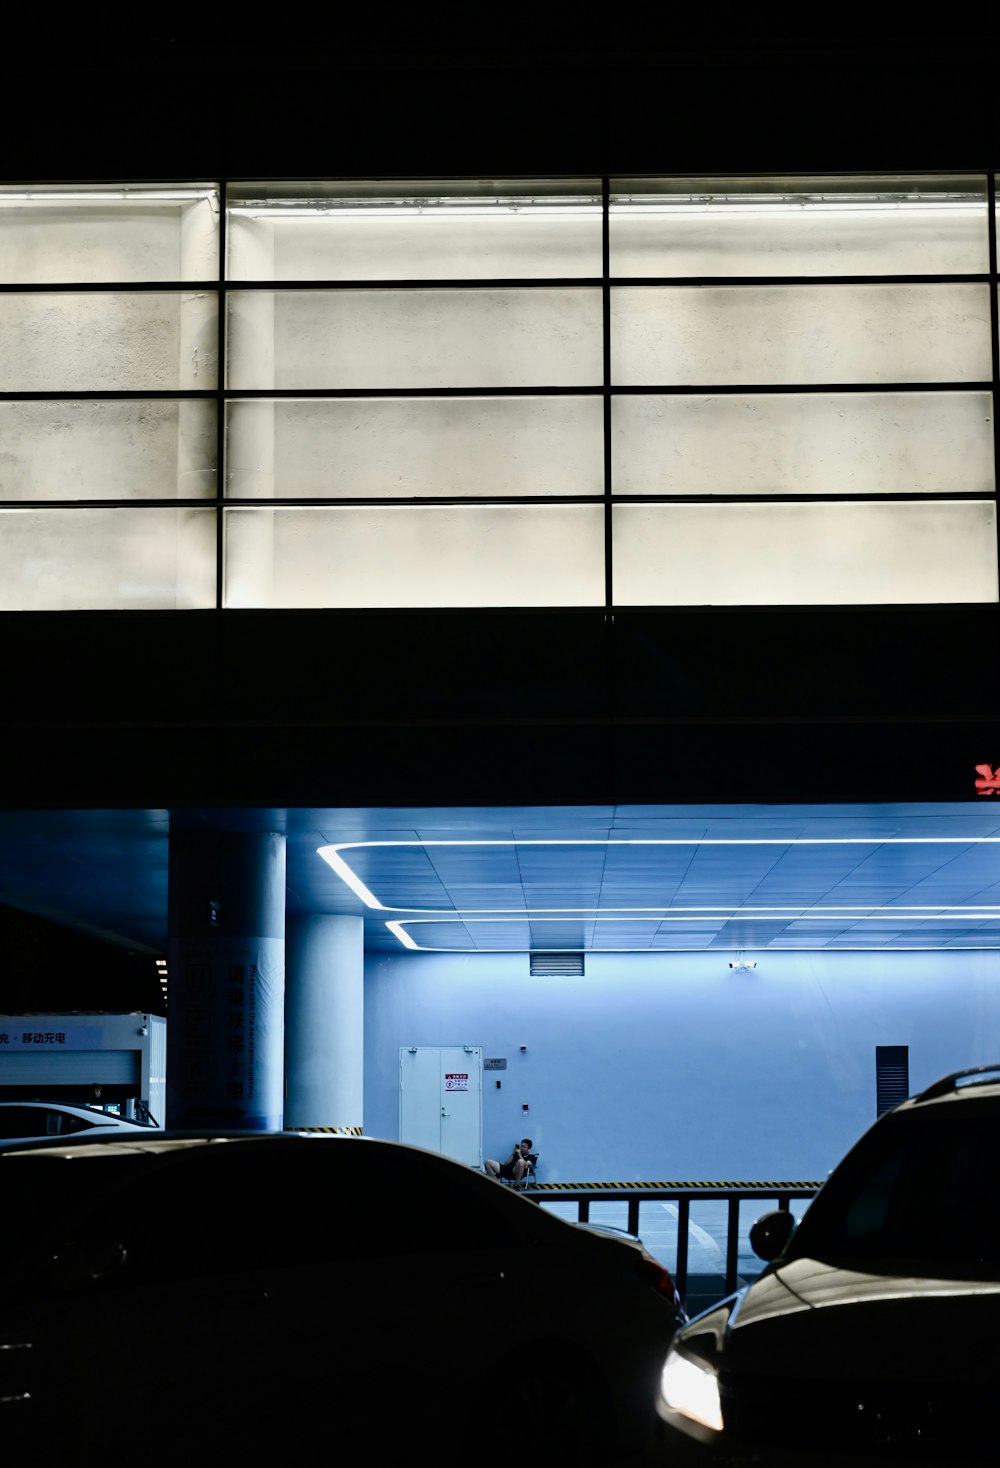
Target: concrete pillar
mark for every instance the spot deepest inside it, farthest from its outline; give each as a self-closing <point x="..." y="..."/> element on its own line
<point x="324" y="1024"/>
<point x="226" y="949"/>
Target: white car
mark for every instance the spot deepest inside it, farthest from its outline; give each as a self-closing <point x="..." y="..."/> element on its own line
<point x="32" y="1121"/>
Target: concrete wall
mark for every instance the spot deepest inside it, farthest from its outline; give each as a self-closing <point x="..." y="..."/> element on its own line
<point x="675" y="1067"/>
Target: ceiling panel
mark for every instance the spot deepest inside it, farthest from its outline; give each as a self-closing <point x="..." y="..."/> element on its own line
<point x="598" y="878"/>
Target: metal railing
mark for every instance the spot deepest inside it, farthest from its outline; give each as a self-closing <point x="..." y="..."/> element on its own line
<point x="681" y="1193"/>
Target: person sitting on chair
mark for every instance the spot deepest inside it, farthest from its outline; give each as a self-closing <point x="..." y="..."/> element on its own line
<point x="513" y="1167"/>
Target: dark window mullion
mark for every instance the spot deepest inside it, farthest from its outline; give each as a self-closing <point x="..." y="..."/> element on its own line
<point x="606" y="387"/>
<point x="749" y="281"/>
<point x="609" y="615"/>
<point x="220" y="402"/>
<point x="108" y="287"/>
<point x="548" y="390"/>
<point x="991" y="225"/>
<point x="696" y="389"/>
<point x="95" y="504"/>
<point x="445" y="283"/>
<point x="112" y="395"/>
<point x="650" y="389"/>
<point x="295" y="501"/>
<point x="804" y="497"/>
<point x="416" y="501"/>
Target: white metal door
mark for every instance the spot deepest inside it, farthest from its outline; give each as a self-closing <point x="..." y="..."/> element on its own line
<point x="441" y="1100"/>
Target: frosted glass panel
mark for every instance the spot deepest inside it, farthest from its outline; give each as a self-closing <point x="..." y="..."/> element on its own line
<point x="798" y="227"/>
<point x="415" y="446"/>
<point x="805" y="554"/>
<point x="108" y="342"/>
<point x="95" y="560"/>
<point x="820" y="443"/>
<point x="114" y="450"/>
<point x="414" y="231"/>
<point x="52" y="233"/>
<point x="430" y="556"/>
<point x="790" y="334"/>
<point x="436" y="338"/>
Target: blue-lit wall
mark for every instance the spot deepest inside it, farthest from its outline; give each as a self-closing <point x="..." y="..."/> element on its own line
<point x="675" y="1067"/>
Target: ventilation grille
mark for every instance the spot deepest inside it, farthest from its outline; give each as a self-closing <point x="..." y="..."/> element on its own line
<point x="892" y="1076"/>
<point x="556" y="963"/>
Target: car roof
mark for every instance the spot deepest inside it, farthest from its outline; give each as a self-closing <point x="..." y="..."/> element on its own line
<point x="979" y="1081"/>
<point x="158" y="1141"/>
<point x="78" y="1108"/>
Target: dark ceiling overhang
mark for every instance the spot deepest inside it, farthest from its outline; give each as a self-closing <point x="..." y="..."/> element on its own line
<point x="170" y="709"/>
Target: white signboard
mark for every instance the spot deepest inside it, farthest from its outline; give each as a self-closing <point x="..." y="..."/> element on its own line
<point x="455" y="1081"/>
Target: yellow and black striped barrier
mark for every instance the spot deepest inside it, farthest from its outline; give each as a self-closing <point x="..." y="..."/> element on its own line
<point x="642" y="1185"/>
<point x="339" y="1131"/>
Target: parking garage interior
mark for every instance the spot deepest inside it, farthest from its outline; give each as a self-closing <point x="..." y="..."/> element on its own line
<point x="674" y="992"/>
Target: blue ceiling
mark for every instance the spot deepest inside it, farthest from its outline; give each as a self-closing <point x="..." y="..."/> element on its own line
<point x="598" y="878"/>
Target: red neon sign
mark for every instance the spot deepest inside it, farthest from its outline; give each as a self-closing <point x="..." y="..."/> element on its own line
<point x="989" y="783"/>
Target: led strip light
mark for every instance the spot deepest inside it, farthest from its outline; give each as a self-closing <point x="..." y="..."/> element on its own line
<point x="852" y="914"/>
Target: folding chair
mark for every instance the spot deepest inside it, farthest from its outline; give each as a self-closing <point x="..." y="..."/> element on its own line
<point x="528" y="1174"/>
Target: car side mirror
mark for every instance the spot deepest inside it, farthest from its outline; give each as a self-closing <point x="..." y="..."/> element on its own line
<point x="771" y="1233"/>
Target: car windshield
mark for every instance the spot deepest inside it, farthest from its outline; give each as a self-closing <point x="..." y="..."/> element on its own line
<point x="920" y="1191"/>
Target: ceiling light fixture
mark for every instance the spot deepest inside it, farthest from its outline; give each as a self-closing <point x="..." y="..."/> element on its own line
<point x="664" y="915"/>
<point x="107" y="196"/>
<point x="381" y="209"/>
<point x="399" y="927"/>
<point x="788" y="208"/>
<point x="331" y="854"/>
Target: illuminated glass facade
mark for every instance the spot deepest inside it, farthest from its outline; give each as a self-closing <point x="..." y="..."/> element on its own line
<point x="521" y="393"/>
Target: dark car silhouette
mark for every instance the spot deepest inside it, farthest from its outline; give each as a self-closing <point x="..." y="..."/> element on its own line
<point x="249" y="1297"/>
<point x="873" y="1334"/>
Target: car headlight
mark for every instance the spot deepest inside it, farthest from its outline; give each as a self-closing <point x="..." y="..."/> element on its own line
<point x="689" y="1393"/>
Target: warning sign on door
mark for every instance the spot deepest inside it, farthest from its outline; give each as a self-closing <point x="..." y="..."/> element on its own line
<point x="456" y="1081"/>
